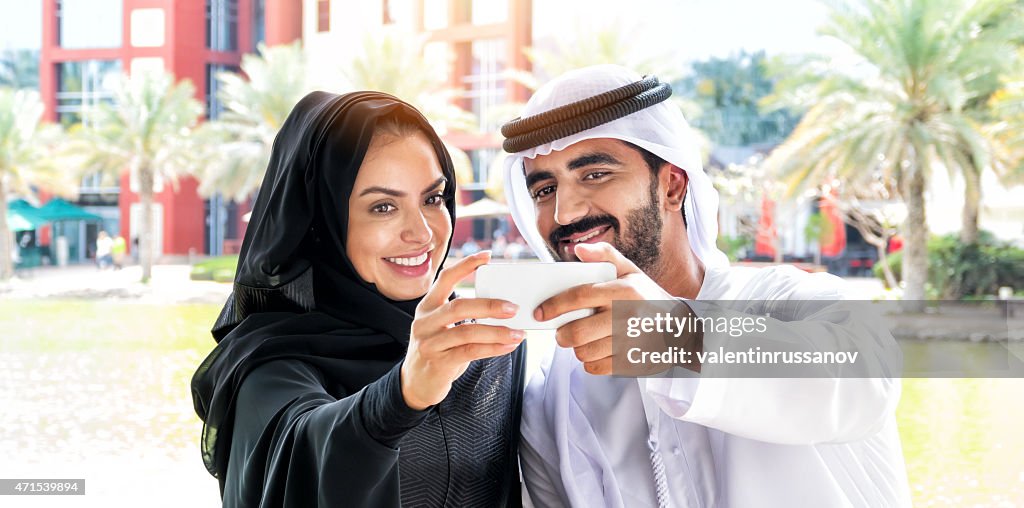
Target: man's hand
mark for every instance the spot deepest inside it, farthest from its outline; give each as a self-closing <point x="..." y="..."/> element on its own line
<point x="591" y="337"/>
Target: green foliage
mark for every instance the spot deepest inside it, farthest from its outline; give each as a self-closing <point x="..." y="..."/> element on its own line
<point x="907" y="103"/>
<point x="957" y="270"/>
<point x="729" y="92"/>
<point x="815" y="228"/>
<point x="25" y="142"/>
<point x="19" y="68"/>
<point x="148" y="128"/>
<point x="733" y="246"/>
<point x="236" y="146"/>
<point x="219" y="269"/>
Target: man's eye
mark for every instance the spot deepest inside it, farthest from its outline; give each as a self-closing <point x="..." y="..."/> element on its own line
<point x="383" y="208"/>
<point x="595" y="175"/>
<point x="543" y="192"/>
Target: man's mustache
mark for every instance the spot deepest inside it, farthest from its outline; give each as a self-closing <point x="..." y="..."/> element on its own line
<point x="589" y="222"/>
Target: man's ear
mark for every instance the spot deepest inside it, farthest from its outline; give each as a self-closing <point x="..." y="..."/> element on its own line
<point x="674" y="181"/>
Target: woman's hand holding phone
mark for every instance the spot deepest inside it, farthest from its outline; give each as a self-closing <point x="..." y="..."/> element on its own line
<point x="439" y="351"/>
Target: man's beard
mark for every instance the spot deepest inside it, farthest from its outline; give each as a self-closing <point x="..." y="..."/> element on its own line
<point x="641" y="244"/>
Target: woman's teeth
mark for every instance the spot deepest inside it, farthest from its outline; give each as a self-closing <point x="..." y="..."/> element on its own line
<point x="414" y="261"/>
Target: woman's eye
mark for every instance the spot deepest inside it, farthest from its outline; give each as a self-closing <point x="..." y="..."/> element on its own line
<point x="383" y="208"/>
<point x="543" y="192"/>
<point x="435" y="200"/>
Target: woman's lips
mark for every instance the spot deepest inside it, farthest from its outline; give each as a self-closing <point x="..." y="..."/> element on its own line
<point x="410" y="266"/>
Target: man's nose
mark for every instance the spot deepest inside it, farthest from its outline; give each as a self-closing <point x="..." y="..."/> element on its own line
<point x="569" y="206"/>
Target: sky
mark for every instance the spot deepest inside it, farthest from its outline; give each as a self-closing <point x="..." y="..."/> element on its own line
<point x="21" y="24"/>
<point x="688" y="29"/>
<point x="693" y="29"/>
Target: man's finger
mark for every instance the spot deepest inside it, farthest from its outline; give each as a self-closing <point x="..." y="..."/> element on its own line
<point x="449" y="277"/>
<point x="602" y="367"/>
<point x="603" y="251"/>
<point x="595" y="350"/>
<point x="585" y="296"/>
<point x="585" y="330"/>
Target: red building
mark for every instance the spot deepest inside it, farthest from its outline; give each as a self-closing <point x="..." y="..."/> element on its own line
<point x="85" y="41"/>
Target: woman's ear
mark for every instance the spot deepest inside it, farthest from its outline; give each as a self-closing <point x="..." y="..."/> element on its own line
<point x="674" y="182"/>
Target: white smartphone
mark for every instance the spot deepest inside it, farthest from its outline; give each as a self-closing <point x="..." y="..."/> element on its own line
<point x="529" y="284"/>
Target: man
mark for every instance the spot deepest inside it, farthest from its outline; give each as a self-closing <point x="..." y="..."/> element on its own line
<point x="604" y="170"/>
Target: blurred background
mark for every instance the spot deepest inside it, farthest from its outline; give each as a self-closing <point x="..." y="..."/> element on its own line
<point x="879" y="140"/>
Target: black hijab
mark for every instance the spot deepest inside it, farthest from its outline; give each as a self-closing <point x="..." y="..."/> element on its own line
<point x="296" y="293"/>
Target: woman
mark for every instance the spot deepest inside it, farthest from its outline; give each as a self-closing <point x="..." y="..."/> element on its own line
<point x="340" y="377"/>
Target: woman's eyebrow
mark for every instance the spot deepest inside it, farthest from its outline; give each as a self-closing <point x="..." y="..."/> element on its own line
<point x="438" y="182"/>
<point x="397" y="193"/>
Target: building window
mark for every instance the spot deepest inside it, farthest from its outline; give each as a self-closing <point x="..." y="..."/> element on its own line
<point x="83" y="24"/>
<point x="398" y="12"/>
<point x="484" y="12"/>
<point x="222" y="25"/>
<point x="84" y="84"/>
<point x="481" y="159"/>
<point x="147" y="28"/>
<point x="323" y="15"/>
<point x="214" y="106"/>
<point x="259" y="29"/>
<point x="485" y="86"/>
<point x="435" y="14"/>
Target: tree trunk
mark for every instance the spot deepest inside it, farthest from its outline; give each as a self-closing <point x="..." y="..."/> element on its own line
<point x="890" y="278"/>
<point x="915" y="233"/>
<point x="145" y="175"/>
<point x="972" y="205"/>
<point x="6" y="240"/>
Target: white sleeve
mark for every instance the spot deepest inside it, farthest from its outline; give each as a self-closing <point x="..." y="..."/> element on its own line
<point x="538" y="453"/>
<point x="836" y="407"/>
<point x="541" y="490"/>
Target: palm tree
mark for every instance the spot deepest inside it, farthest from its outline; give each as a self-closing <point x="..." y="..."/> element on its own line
<point x="24" y="146"/>
<point x="1008" y="127"/>
<point x="903" y="109"/>
<point x="19" y="68"/>
<point x="392" y="61"/>
<point x="147" y="130"/>
<point x="256" y="102"/>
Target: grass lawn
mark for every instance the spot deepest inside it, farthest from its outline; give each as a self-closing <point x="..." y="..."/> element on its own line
<point x="91" y="379"/>
<point x="220" y="269"/>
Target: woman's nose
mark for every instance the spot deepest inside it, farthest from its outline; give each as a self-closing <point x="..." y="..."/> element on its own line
<point x="417" y="230"/>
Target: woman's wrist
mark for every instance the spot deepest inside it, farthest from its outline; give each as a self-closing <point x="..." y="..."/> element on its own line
<point x="410" y="398"/>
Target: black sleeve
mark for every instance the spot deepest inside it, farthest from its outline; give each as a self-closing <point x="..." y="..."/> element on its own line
<point x="386" y="416"/>
<point x="295" y="445"/>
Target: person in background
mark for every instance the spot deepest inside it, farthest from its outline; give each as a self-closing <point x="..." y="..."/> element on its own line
<point x="104" y="244"/>
<point x="117" y="251"/>
<point x="470" y="247"/>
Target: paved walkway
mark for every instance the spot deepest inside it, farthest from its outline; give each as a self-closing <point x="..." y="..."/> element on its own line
<point x="169" y="284"/>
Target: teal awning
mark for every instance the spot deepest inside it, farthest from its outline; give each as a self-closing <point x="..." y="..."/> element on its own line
<point x="58" y="209"/>
<point x="22" y="216"/>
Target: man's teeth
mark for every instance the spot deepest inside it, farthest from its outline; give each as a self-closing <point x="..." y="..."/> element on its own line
<point x="416" y="261"/>
<point x="587" y="237"/>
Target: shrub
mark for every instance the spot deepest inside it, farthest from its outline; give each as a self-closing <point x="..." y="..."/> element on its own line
<point x="957" y="270"/>
<point x="220" y="269"/>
